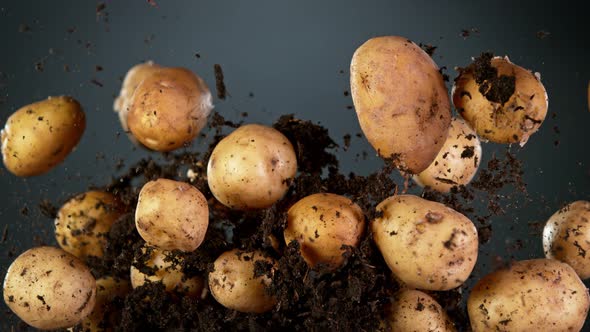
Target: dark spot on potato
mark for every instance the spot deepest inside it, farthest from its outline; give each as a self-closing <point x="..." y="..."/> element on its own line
<point x="434" y="217"/>
<point x="419" y="306"/>
<point x="468" y="152"/>
<point x="86" y="301"/>
<point x="23" y="272"/>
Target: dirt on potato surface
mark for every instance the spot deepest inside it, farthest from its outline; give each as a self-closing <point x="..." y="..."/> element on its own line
<point x="348" y="299"/>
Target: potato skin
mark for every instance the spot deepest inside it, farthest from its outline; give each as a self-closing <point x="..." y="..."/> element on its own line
<point x="322" y="224"/>
<point x="172" y="215"/>
<point x="513" y="122"/>
<point x="39" y="136"/>
<point x="134" y="76"/>
<point x="49" y="288"/>
<point x="168" y="272"/>
<point x="425" y="244"/>
<point x="457" y="161"/>
<point x="566" y="237"/>
<point x="251" y="168"/>
<point x="401" y="101"/>
<point x="530" y="295"/>
<point x="107" y="290"/>
<point x="413" y="310"/>
<point x="169" y="108"/>
<point x="233" y="285"/>
<point x="83" y="223"/>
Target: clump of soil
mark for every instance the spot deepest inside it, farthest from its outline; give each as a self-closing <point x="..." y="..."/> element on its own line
<point x="496" y="88"/>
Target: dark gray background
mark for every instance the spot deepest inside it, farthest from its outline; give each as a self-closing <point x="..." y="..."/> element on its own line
<point x="289" y="54"/>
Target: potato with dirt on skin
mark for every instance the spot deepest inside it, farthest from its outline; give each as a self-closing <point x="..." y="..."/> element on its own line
<point x="168" y="271"/>
<point x="234" y="285"/>
<point x="503" y="102"/>
<point x="426" y="244"/>
<point x="530" y="295"/>
<point x="413" y="310"/>
<point x="49" y="288"/>
<point x="457" y="161"/>
<point x="566" y="237"/>
<point x="134" y="76"/>
<point x="171" y="215"/>
<point x="322" y="224"/>
<point x="401" y="101"/>
<point x="39" y="136"/>
<point x="103" y="318"/>
<point x="251" y="168"/>
<point x="83" y="223"/>
<point x="169" y="108"/>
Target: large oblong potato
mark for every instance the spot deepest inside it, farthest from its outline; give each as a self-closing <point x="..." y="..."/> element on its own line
<point x="530" y="295"/>
<point x="83" y="223"/>
<point x="566" y="237"/>
<point x="401" y="101"/>
<point x="498" y="116"/>
<point x="39" y="136"/>
<point x="413" y="310"/>
<point x="425" y="244"/>
<point x="169" y="108"/>
<point x="49" y="288"/>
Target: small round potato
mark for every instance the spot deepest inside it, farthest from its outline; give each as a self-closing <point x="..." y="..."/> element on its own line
<point x="251" y="168"/>
<point x="457" y="161"/>
<point x="39" y="136"/>
<point x="169" y="108"/>
<point x="413" y="310"/>
<point x="322" y="224"/>
<point x="496" y="117"/>
<point x="531" y="295"/>
<point x="167" y="271"/>
<point x="234" y="284"/>
<point x="102" y="319"/>
<point x="49" y="288"/>
<point x="425" y="244"/>
<point x="566" y="237"/>
<point x="134" y="76"/>
<point x="172" y="215"/>
<point x="83" y="223"/>
<point x="401" y="101"/>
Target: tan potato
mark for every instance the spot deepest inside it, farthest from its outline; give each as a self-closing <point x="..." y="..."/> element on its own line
<point x="168" y="272"/>
<point x="413" y="310"/>
<point x="39" y="136"/>
<point x="457" y="161"/>
<point x="49" y="288"/>
<point x="134" y="76"/>
<point x="566" y="237"/>
<point x="101" y="319"/>
<point x="425" y="244"/>
<point x="531" y="295"/>
<point x="401" y="101"/>
<point x="172" y="215"/>
<point x="496" y="117"/>
<point x="251" y="168"/>
<point x="83" y="223"/>
<point x="322" y="224"/>
<point x="234" y="285"/>
<point x="169" y="108"/>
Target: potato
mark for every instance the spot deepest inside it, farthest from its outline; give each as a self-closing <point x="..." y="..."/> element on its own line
<point x="167" y="271"/>
<point x="566" y="237"/>
<point x="457" y="161"/>
<point x="322" y="224"/>
<point x="234" y="285"/>
<point x="413" y="310"/>
<point x="39" y="136"/>
<point x="401" y="101"/>
<point x="172" y="215"/>
<point x="134" y="76"/>
<point x="531" y="295"/>
<point x="503" y="102"/>
<point x="83" y="223"/>
<point x="103" y="318"/>
<point x="425" y="244"/>
<point x="251" y="168"/>
<point x="49" y="288"/>
<point x="169" y="108"/>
